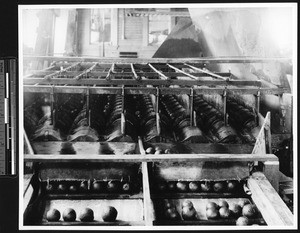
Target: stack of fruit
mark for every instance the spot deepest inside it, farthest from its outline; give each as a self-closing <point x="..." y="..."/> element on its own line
<point x="170" y="212"/>
<point x="243" y="212"/>
<point x="108" y="214"/>
<point x="88" y="186"/>
<point x="228" y="186"/>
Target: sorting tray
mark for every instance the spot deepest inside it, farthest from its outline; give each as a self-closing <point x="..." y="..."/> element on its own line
<point x="200" y="206"/>
<point x="130" y="210"/>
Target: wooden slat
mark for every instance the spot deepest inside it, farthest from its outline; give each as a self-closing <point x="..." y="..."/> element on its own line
<point x="271" y="171"/>
<point x="159" y="73"/>
<point x="134" y="72"/>
<point x="56" y="73"/>
<point x="273" y="209"/>
<point x="115" y="81"/>
<point x="206" y="72"/>
<point x="182" y="72"/>
<point x="148" y="158"/>
<point x="42" y="73"/>
<point x="27" y="143"/>
<point x="148" y="204"/>
<point x="142" y="90"/>
<point x="85" y="71"/>
<point x="202" y="60"/>
<point x="140" y="13"/>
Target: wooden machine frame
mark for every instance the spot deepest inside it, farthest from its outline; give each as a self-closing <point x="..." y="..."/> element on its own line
<point x="262" y="184"/>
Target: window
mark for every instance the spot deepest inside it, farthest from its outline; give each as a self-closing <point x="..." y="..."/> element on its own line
<point x="158" y="29"/>
<point x="100" y="26"/>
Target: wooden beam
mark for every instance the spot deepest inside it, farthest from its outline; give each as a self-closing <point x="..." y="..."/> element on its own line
<point x="271" y="206"/>
<point x="271" y="171"/>
<point x="139" y="13"/>
<point x="148" y="90"/>
<point x="148" y="204"/>
<point x="201" y="60"/>
<point x="41" y="73"/>
<point x="148" y="158"/>
<point x="116" y="81"/>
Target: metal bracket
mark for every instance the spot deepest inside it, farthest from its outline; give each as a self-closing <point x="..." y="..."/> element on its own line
<point x="88" y="112"/>
<point x="52" y="105"/>
<point x="258" y="104"/>
<point x="225" y="106"/>
<point x="157" y="111"/>
<point x="191" y="106"/>
<point x="123" y="120"/>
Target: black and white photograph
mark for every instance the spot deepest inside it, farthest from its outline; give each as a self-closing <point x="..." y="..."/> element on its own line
<point x="158" y="116"/>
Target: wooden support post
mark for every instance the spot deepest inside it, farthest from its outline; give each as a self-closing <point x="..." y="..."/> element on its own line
<point x="148" y="204"/>
<point x="271" y="171"/>
<point x="271" y="206"/>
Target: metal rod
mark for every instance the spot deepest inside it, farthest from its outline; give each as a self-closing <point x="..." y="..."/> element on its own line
<point x="157" y="71"/>
<point x="110" y="72"/>
<point x="257" y="105"/>
<point x="49" y="76"/>
<point x="88" y="104"/>
<point x="123" y="120"/>
<point x="195" y="118"/>
<point x="157" y="112"/>
<point x="191" y="106"/>
<point x="85" y="72"/>
<point x="134" y="73"/>
<point x="180" y="71"/>
<point x="225" y="106"/>
<point x="206" y="72"/>
<point x="52" y="105"/>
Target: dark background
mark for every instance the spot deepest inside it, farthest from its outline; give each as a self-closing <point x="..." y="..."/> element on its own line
<point x="9" y="192"/>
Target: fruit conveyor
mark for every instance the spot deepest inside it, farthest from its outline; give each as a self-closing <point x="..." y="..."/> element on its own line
<point x="148" y="142"/>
